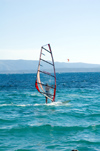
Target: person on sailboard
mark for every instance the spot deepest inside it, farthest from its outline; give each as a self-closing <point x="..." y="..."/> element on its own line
<point x="47" y="88"/>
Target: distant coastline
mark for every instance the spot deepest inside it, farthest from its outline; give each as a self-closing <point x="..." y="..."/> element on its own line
<point x="30" y="66"/>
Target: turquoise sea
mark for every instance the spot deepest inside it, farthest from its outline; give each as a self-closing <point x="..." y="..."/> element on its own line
<point x="71" y="122"/>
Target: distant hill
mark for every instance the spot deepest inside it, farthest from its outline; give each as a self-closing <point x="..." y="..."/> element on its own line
<point x="30" y="66"/>
<point x="17" y="66"/>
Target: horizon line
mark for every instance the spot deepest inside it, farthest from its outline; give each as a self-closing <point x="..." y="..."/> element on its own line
<point x="54" y="61"/>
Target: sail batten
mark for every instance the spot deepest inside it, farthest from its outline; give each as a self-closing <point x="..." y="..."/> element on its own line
<point x="46" y="76"/>
<point x="46" y="73"/>
<point x="47" y="61"/>
<point x="46" y="49"/>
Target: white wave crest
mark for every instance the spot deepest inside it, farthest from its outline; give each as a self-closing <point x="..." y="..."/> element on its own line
<point x="59" y="103"/>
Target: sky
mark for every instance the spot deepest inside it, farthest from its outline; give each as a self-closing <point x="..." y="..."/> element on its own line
<point x="72" y="27"/>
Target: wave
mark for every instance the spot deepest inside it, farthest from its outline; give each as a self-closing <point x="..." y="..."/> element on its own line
<point x="59" y="103"/>
<point x="21" y="105"/>
<point x="49" y="127"/>
<point x="35" y="94"/>
<point x="7" y="120"/>
<point x="86" y="141"/>
<point x="5" y="105"/>
<point x="66" y="103"/>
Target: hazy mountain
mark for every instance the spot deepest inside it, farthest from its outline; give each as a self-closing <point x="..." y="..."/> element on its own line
<point x="30" y="66"/>
<point x="76" y="65"/>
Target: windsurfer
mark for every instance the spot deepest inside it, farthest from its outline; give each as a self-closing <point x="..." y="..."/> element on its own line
<point x="47" y="88"/>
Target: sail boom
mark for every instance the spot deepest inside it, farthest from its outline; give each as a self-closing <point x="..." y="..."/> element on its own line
<point x="46" y="93"/>
<point x="45" y="85"/>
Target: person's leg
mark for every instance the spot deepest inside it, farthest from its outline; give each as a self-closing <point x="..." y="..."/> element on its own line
<point x="46" y="100"/>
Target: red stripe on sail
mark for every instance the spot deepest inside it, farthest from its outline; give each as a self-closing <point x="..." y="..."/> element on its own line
<point x="36" y="85"/>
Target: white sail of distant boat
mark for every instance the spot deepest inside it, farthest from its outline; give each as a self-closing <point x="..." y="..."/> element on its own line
<point x="46" y="75"/>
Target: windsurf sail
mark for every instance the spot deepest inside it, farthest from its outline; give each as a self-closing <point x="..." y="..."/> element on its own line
<point x="46" y="76"/>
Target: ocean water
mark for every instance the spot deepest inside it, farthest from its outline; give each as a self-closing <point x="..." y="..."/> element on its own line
<point x="71" y="122"/>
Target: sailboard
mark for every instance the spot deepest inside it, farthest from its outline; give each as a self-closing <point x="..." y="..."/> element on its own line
<point x="46" y="76"/>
